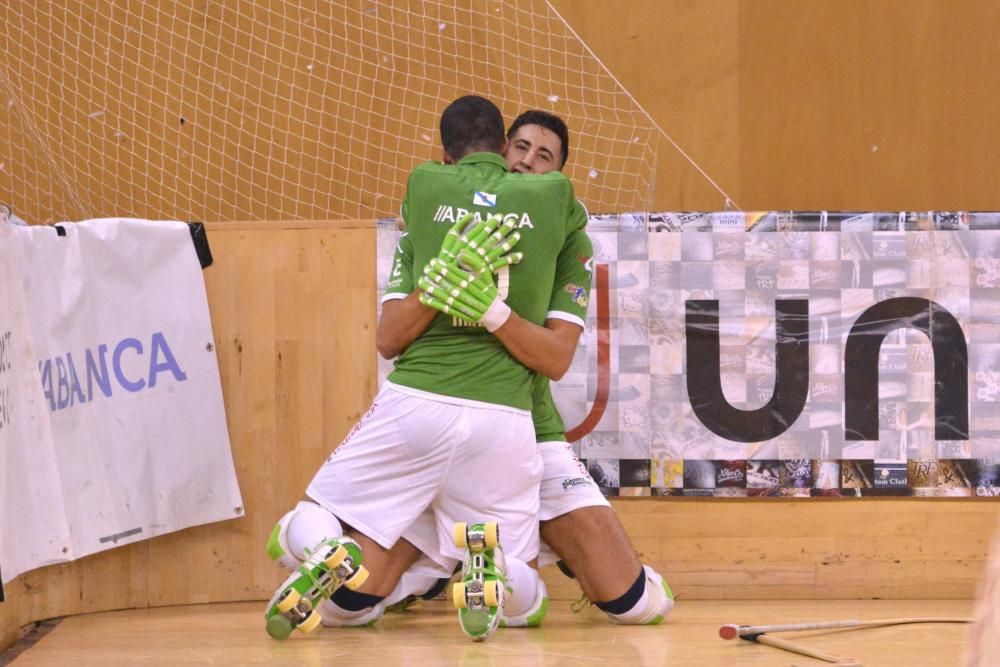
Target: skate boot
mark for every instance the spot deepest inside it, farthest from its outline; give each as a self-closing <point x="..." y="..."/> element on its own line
<point x="333" y="563"/>
<point x="479" y="595"/>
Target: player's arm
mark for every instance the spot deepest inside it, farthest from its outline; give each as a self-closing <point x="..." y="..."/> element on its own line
<point x="402" y="321"/>
<point x="403" y="317"/>
<point x="549" y="350"/>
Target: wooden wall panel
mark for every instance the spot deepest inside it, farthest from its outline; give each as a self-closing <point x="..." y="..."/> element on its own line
<point x="869" y="104"/>
<point x="293" y="311"/>
<point x="827" y="104"/>
<point x="679" y="60"/>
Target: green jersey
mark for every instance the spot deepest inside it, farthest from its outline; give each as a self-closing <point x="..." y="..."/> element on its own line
<point x="451" y="357"/>
<point x="568" y="301"/>
<point x="570" y="296"/>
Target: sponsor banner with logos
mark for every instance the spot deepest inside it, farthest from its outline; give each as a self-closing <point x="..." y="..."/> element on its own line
<point x="793" y="354"/>
<point x="124" y="385"/>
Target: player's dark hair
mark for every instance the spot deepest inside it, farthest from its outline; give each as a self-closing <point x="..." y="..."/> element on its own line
<point x="471" y="124"/>
<point x="547" y="120"/>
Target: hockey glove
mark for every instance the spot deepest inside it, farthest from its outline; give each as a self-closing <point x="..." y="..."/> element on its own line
<point x="488" y="239"/>
<point x="470" y="296"/>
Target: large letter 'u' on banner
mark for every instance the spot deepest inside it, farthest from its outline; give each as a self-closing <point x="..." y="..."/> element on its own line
<point x="791" y="373"/>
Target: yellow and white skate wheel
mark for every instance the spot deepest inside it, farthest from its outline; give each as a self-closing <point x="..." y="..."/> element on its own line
<point x="458" y="595"/>
<point x="310" y="623"/>
<point x="356" y="580"/>
<point x="491" y="593"/>
<point x="336" y="558"/>
<point x="287" y="603"/>
<point x="460" y="534"/>
<point x="492" y="534"/>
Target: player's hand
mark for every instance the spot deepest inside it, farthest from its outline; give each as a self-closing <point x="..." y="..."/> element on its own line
<point x="492" y="240"/>
<point x="470" y="296"/>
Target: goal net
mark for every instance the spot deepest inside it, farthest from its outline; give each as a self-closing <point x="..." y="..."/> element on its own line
<point x="286" y="109"/>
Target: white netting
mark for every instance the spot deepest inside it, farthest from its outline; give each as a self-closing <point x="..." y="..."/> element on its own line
<point x="285" y="109"/>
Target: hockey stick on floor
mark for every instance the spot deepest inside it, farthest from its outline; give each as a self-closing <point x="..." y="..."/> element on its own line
<point x="787" y="645"/>
<point x="732" y="631"/>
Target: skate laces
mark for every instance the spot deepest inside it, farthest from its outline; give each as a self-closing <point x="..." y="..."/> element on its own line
<point x="582" y="603"/>
<point x="488" y="568"/>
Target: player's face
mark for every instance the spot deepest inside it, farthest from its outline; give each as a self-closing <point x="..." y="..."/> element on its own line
<point x="534" y="149"/>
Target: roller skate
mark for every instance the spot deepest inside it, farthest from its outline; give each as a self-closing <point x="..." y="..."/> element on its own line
<point x="479" y="596"/>
<point x="334" y="563"/>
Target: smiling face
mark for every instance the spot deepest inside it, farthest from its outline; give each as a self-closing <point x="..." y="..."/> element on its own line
<point x="534" y="149"/>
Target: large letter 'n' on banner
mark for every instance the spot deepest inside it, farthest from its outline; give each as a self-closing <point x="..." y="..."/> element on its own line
<point x="704" y="377"/>
<point x="951" y="366"/>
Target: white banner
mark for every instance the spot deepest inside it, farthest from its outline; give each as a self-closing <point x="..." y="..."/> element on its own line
<point x="790" y="354"/>
<point x="129" y="381"/>
<point x="33" y="530"/>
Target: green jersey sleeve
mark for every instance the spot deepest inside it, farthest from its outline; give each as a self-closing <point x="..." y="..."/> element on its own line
<point x="571" y="288"/>
<point x="401" y="277"/>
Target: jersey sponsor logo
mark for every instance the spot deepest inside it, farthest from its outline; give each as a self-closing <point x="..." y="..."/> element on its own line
<point x="579" y="297"/>
<point x="570" y="484"/>
<point x="452" y="214"/>
<point x="484" y="199"/>
<point x="588" y="263"/>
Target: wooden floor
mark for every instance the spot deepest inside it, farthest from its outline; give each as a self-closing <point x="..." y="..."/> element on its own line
<point x="233" y="634"/>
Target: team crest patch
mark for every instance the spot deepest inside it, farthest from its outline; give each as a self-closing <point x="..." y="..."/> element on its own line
<point x="579" y="295"/>
<point x="484" y="199"/>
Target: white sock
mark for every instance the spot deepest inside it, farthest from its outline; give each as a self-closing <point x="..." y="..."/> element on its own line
<point x="334" y="616"/>
<point x="652" y="606"/>
<point x="309" y="525"/>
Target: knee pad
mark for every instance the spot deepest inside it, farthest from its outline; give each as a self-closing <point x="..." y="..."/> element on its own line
<point x="533" y="616"/>
<point x="299" y="531"/>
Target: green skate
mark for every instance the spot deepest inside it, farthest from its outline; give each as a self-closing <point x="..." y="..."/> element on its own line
<point x="479" y="596"/>
<point x="334" y="563"/>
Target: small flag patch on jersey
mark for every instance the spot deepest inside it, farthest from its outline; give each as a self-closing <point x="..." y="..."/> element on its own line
<point x="579" y="295"/>
<point x="484" y="199"/>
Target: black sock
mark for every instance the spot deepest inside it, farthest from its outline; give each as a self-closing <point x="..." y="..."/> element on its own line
<point x="349" y="600"/>
<point x="622" y="604"/>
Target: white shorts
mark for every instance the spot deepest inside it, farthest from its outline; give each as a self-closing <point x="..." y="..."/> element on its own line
<point x="423" y="534"/>
<point x="566" y="486"/>
<point x="466" y="460"/>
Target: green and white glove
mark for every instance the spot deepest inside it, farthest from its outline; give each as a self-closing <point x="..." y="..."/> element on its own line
<point x="470" y="296"/>
<point x="488" y="239"/>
